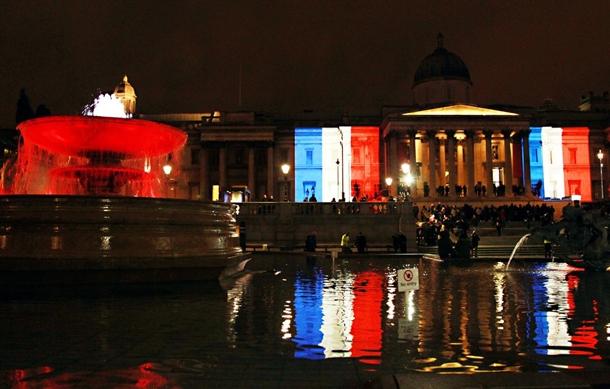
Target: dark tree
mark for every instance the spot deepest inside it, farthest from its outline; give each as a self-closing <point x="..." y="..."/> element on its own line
<point x="24" y="111"/>
<point x="42" y="111"/>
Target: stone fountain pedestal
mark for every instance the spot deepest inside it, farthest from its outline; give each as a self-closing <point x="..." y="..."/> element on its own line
<point x="59" y="239"/>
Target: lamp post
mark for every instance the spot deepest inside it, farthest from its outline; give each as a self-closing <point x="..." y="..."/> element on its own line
<point x="600" y="155"/>
<point x="338" y="187"/>
<point x="285" y="170"/>
<point x="167" y="169"/>
<point x="343" y="163"/>
<point x="388" y="182"/>
<point x="406" y="170"/>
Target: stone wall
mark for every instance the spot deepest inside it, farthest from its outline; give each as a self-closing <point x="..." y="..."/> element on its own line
<point x="286" y="224"/>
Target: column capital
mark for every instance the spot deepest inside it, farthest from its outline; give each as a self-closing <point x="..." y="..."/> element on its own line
<point x="488" y="133"/>
<point x="450" y="133"/>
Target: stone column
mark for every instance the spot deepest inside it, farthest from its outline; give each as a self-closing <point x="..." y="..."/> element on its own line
<point x="442" y="162"/>
<point x="204" y="177"/>
<point x="488" y="161"/>
<point x="251" y="176"/>
<point x="413" y="160"/>
<point x="526" y="161"/>
<point x="451" y="162"/>
<point x="432" y="162"/>
<point x="392" y="165"/>
<point x="508" y="162"/>
<point x="270" y="171"/>
<point x="461" y="179"/>
<point x="470" y="160"/>
<point x="222" y="168"/>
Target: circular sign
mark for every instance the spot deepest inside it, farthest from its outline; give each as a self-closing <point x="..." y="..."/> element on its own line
<point x="408" y="275"/>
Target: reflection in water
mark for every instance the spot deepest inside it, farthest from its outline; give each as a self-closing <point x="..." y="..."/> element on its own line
<point x="308" y="315"/>
<point x="478" y="318"/>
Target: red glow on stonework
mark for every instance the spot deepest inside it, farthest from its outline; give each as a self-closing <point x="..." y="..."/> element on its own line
<point x="94" y="156"/>
<point x="365" y="160"/>
<point x="576" y="165"/>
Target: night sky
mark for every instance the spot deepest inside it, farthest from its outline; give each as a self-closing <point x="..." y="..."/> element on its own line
<point x="185" y="56"/>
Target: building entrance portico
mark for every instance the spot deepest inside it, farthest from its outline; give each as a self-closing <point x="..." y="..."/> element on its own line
<point x="456" y="150"/>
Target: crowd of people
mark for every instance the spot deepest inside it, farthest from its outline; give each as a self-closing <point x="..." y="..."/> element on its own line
<point x="436" y="223"/>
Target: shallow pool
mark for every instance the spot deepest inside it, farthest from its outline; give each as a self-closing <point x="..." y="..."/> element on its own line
<point x="294" y="322"/>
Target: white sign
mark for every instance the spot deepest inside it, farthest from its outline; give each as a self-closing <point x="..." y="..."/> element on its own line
<point x="407" y="329"/>
<point x="408" y="279"/>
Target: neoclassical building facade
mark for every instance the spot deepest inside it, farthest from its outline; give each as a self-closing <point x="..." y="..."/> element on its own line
<point x="458" y="145"/>
<point x="442" y="145"/>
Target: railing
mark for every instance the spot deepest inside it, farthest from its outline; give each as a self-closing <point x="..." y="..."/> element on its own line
<point x="319" y="208"/>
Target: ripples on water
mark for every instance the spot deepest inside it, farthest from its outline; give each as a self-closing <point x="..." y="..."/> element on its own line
<point x="534" y="317"/>
<point x="475" y="318"/>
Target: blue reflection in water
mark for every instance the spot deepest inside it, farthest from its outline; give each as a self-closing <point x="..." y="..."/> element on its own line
<point x="308" y="314"/>
<point x="477" y="318"/>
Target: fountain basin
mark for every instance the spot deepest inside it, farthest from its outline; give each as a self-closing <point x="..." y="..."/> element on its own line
<point x="87" y="136"/>
<point x="87" y="239"/>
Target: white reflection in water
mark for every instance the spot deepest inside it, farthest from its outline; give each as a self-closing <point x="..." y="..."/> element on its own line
<point x="391" y="290"/>
<point x="338" y="315"/>
<point x="480" y="317"/>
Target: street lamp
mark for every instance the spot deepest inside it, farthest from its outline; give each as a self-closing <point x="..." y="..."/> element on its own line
<point x="338" y="187"/>
<point x="343" y="163"/>
<point x="167" y="169"/>
<point x="388" y="181"/>
<point x="600" y="155"/>
<point x="285" y="170"/>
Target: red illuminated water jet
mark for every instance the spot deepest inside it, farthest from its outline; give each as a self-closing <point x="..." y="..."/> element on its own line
<point x="102" y="154"/>
<point x="74" y="210"/>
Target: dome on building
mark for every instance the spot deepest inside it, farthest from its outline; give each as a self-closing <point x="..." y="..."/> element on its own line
<point x="127" y="94"/>
<point x="125" y="88"/>
<point x="441" y="64"/>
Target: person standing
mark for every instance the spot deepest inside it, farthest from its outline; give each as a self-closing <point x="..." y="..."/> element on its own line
<point x="445" y="246"/>
<point x="311" y="242"/>
<point x="361" y="243"/>
<point x="463" y="247"/>
<point x="402" y="242"/>
<point x="475" y="244"/>
<point x="548" y="249"/>
<point x="345" y="248"/>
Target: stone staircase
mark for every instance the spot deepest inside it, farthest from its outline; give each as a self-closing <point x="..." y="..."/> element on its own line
<point x="493" y="246"/>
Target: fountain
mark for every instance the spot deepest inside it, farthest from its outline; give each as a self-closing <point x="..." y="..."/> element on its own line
<point x="583" y="233"/>
<point x="83" y="205"/>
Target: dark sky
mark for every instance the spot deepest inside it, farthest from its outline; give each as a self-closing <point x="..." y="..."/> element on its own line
<point x="184" y="56"/>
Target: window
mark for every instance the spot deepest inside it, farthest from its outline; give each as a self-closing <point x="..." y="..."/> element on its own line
<point x="356" y="156"/>
<point x="214" y="158"/>
<point x="572" y="156"/>
<point x="239" y="156"/>
<point x="195" y="157"/>
<point x="309" y="157"/>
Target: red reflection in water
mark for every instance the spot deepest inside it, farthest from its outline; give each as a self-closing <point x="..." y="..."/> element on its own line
<point x="583" y="316"/>
<point x="43" y="377"/>
<point x="366" y="328"/>
<point x="93" y="155"/>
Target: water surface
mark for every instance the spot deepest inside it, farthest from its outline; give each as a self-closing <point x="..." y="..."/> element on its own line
<point x="294" y="323"/>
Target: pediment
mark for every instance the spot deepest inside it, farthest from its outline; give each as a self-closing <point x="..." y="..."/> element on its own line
<point x="460" y="110"/>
